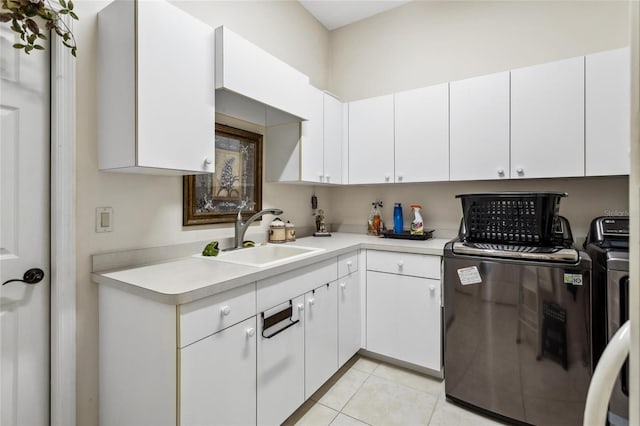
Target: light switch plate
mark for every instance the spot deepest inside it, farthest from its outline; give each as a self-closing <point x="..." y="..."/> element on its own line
<point x="104" y="219"/>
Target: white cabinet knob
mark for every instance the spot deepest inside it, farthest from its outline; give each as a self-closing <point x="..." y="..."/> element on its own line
<point x="500" y="172"/>
<point x="400" y="177"/>
<point x="301" y="307"/>
<point x="312" y="301"/>
<point x="387" y="178"/>
<point x="400" y="263"/>
<point x="320" y="176"/>
<point x="251" y="332"/>
<point x="225" y="310"/>
<point x="343" y="285"/>
<point x="207" y="161"/>
<point x="349" y="264"/>
<point x="327" y="178"/>
<point x="520" y="171"/>
<point x="432" y="288"/>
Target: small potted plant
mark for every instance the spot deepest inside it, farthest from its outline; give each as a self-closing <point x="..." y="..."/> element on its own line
<point x="28" y="18"/>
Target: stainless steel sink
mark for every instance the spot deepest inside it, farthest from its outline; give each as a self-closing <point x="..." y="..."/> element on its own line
<point x="264" y="255"/>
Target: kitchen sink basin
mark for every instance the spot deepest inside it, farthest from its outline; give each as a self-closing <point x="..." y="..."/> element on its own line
<point x="264" y="255"/>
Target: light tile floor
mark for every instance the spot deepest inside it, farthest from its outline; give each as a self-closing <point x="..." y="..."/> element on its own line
<point x="369" y="392"/>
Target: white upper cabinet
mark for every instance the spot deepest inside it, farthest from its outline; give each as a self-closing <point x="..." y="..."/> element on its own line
<point x="479" y="144"/>
<point x="156" y="99"/>
<point x="547" y="120"/>
<point x="251" y="74"/>
<point x="312" y="139"/>
<point x="371" y="140"/>
<point x="332" y="140"/>
<point x="422" y="134"/>
<point x="607" y="106"/>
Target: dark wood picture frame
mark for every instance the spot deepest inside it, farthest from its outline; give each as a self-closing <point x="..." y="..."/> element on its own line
<point x="214" y="198"/>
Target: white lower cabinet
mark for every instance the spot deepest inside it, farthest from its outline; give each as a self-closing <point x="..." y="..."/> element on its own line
<point x="404" y="312"/>
<point x="280" y="362"/>
<point x="218" y="378"/>
<point x="349" y="336"/>
<point x="321" y="336"/>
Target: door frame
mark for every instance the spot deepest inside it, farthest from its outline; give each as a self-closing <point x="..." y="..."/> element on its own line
<point x="63" y="235"/>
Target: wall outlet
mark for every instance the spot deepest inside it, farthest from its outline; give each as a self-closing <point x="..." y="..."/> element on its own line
<point x="104" y="219"/>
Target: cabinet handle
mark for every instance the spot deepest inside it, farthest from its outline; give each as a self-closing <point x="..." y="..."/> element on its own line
<point x="387" y="178"/>
<point x="321" y="177"/>
<point x="327" y="178"/>
<point x="500" y="172"/>
<point x="520" y="171"/>
<point x="301" y="307"/>
<point x="400" y="264"/>
<point x="400" y="178"/>
<point x="349" y="263"/>
<point x="432" y="288"/>
<point x="312" y="301"/>
<point x="207" y="161"/>
<point x="343" y="285"/>
<point x="225" y="310"/>
<point x="251" y="332"/>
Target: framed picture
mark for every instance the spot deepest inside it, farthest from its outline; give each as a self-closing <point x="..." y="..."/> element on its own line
<point x="214" y="198"/>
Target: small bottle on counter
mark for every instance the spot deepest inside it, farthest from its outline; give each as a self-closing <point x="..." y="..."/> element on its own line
<point x="398" y="221"/>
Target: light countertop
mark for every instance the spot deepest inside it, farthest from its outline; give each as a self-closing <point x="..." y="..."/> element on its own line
<point x="187" y="279"/>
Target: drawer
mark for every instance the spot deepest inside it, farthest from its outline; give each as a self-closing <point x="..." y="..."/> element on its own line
<point x="206" y="316"/>
<point x="417" y="265"/>
<point x="275" y="290"/>
<point x="347" y="263"/>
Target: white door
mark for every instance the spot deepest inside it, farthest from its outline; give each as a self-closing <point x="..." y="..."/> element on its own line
<point x="320" y="336"/>
<point x="547" y="120"/>
<point x="333" y="122"/>
<point x="422" y="134"/>
<point x="607" y="104"/>
<point x="480" y="127"/>
<point x="349" y="337"/>
<point x="24" y="234"/>
<point x="371" y="140"/>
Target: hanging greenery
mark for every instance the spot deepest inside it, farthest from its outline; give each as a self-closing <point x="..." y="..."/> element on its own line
<point x="28" y="16"/>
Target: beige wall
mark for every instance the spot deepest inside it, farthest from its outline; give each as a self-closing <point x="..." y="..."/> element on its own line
<point x="148" y="209"/>
<point x="424" y="43"/>
<point x="428" y="42"/>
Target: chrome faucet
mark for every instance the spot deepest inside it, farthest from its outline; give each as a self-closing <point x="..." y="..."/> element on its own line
<point x="241" y="227"/>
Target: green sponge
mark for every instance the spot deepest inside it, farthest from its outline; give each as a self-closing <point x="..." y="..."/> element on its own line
<point x="248" y="244"/>
<point x="211" y="249"/>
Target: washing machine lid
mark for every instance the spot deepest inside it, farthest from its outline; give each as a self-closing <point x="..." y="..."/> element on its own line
<point x="618" y="261"/>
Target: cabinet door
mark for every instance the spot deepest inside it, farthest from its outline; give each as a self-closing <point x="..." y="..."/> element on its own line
<point x="547" y="120"/>
<point x="607" y="104"/>
<point x="332" y="140"/>
<point x="371" y="140"/>
<point x="480" y="127"/>
<point x="281" y="367"/>
<point x="348" y="317"/>
<point x="422" y="134"/>
<point x="403" y="318"/>
<point x="321" y="336"/>
<point x="175" y="101"/>
<point x="218" y="378"/>
<point x="312" y="149"/>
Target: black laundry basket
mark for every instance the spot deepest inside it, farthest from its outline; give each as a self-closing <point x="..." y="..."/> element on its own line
<point x="510" y="217"/>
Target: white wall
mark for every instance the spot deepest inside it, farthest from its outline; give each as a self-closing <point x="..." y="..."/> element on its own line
<point x="148" y="209"/>
<point x="424" y="43"/>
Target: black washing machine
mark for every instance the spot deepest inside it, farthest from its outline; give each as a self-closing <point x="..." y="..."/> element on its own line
<point x="608" y="246"/>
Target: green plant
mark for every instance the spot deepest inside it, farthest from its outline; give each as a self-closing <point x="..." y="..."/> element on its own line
<point x="26" y="17"/>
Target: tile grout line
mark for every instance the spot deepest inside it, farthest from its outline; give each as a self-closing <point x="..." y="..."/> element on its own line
<point x="357" y="390"/>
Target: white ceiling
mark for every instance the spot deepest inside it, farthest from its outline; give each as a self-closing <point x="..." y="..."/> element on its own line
<point x="338" y="13"/>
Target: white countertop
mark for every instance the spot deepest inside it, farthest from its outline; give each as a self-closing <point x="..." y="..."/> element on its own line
<point x="187" y="279"/>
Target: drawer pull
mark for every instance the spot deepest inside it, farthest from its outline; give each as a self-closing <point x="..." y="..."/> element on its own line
<point x="225" y="310"/>
<point x="301" y="307"/>
<point x="312" y="301"/>
<point x="343" y="286"/>
<point x="400" y="264"/>
<point x="251" y="332"/>
<point x="432" y="288"/>
<point x="278" y="318"/>
<point x="349" y="264"/>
